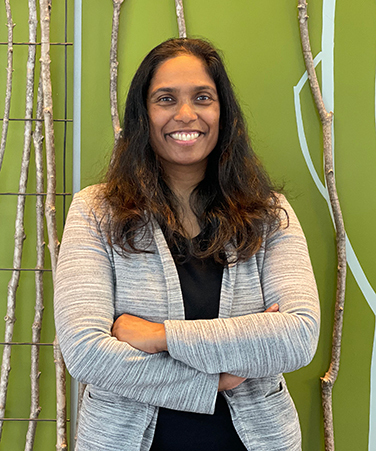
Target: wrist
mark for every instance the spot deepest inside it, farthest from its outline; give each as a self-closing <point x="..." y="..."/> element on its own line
<point x="162" y="340"/>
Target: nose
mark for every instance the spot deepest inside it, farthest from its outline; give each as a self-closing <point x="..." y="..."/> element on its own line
<point x="185" y="113"/>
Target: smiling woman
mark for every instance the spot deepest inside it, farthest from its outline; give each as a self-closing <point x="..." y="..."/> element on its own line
<point x="184" y="288"/>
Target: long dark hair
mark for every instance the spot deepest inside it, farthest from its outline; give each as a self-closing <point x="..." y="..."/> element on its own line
<point x="235" y="203"/>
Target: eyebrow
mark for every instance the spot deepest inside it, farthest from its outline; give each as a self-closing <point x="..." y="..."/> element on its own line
<point x="172" y="90"/>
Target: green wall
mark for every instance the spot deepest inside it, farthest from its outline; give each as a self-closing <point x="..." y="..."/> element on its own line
<point x="261" y="46"/>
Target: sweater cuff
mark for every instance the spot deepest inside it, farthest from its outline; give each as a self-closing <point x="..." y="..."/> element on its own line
<point x="208" y="392"/>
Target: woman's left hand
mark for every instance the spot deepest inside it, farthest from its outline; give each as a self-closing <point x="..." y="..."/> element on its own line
<point x="141" y="334"/>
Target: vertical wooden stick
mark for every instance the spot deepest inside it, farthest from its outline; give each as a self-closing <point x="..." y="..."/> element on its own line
<point x="50" y="211"/>
<point x="114" y="68"/>
<point x="61" y="408"/>
<point x="181" y="20"/>
<point x="19" y="235"/>
<point x="37" y="325"/>
<point x="326" y="118"/>
<point x="8" y="91"/>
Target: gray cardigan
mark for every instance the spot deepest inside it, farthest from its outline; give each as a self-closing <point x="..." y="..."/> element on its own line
<point x="94" y="285"/>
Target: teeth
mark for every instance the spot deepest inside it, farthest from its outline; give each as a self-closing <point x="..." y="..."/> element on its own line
<point x="185" y="136"/>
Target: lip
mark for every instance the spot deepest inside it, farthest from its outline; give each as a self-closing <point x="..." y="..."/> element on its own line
<point x="185" y="132"/>
<point x="190" y="131"/>
<point x="183" y="143"/>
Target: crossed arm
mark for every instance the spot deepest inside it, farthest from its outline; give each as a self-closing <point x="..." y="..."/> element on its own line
<point x="150" y="337"/>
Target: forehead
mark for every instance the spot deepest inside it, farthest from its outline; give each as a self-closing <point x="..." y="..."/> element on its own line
<point x="185" y="70"/>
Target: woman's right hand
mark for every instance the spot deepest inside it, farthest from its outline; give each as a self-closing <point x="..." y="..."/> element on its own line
<point x="229" y="381"/>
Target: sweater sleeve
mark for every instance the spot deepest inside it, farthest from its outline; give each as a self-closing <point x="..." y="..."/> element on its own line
<point x="260" y="344"/>
<point x="84" y="314"/>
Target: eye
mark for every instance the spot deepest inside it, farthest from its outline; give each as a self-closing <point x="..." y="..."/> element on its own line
<point x="165" y="99"/>
<point x="203" y="98"/>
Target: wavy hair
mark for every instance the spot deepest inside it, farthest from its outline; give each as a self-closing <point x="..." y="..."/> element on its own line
<point x="235" y="202"/>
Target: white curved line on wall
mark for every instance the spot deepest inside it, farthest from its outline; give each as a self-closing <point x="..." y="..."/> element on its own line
<point x="326" y="57"/>
<point x="327" y="64"/>
<point x="301" y="134"/>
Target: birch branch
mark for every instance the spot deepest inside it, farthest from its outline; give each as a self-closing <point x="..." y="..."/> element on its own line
<point x="181" y="20"/>
<point x="8" y="91"/>
<point x="37" y="325"/>
<point x="326" y="118"/>
<point x="61" y="408"/>
<point x="50" y="210"/>
<point x="114" y="68"/>
<point x="19" y="235"/>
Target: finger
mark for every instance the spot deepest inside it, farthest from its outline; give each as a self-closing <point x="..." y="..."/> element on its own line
<point x="273" y="308"/>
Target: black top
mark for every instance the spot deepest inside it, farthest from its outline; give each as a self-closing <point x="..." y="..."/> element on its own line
<point x="200" y="281"/>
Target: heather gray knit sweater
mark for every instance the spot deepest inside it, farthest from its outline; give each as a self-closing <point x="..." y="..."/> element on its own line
<point x="94" y="285"/>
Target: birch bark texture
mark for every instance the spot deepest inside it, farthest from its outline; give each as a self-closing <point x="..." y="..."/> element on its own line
<point x="34" y="374"/>
<point x="181" y="19"/>
<point x="39" y="292"/>
<point x="50" y="210"/>
<point x="8" y="91"/>
<point x="326" y="118"/>
<point x="114" y="68"/>
<point x="19" y="235"/>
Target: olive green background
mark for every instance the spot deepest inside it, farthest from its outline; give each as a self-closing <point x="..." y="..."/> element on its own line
<point x="261" y="47"/>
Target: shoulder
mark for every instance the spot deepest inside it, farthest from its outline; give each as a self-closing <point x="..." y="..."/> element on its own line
<point x="91" y="194"/>
<point x="287" y="226"/>
<point x="288" y="218"/>
<point x="88" y="205"/>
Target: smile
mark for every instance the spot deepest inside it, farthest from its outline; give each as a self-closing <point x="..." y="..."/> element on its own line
<point x="185" y="136"/>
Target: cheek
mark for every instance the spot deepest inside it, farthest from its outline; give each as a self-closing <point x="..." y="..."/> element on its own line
<point x="157" y="123"/>
<point x="214" y="119"/>
<point x="154" y="129"/>
<point x="215" y="125"/>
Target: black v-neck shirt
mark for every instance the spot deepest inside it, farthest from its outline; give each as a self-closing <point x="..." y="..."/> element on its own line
<point x="200" y="281"/>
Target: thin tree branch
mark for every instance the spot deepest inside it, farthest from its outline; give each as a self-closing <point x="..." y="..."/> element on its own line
<point x="326" y="118"/>
<point x="61" y="408"/>
<point x="19" y="235"/>
<point x="37" y="324"/>
<point x="181" y="20"/>
<point x="50" y="210"/>
<point x="8" y="91"/>
<point x="114" y="68"/>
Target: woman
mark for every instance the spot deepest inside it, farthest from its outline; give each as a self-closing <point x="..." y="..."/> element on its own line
<point x="184" y="288"/>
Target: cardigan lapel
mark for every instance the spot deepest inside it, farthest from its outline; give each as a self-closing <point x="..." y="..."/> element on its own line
<point x="174" y="294"/>
<point x="228" y="284"/>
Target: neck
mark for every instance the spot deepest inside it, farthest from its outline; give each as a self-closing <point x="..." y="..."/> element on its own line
<point x="182" y="182"/>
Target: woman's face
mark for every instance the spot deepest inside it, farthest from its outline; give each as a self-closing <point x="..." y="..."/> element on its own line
<point x="184" y="111"/>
